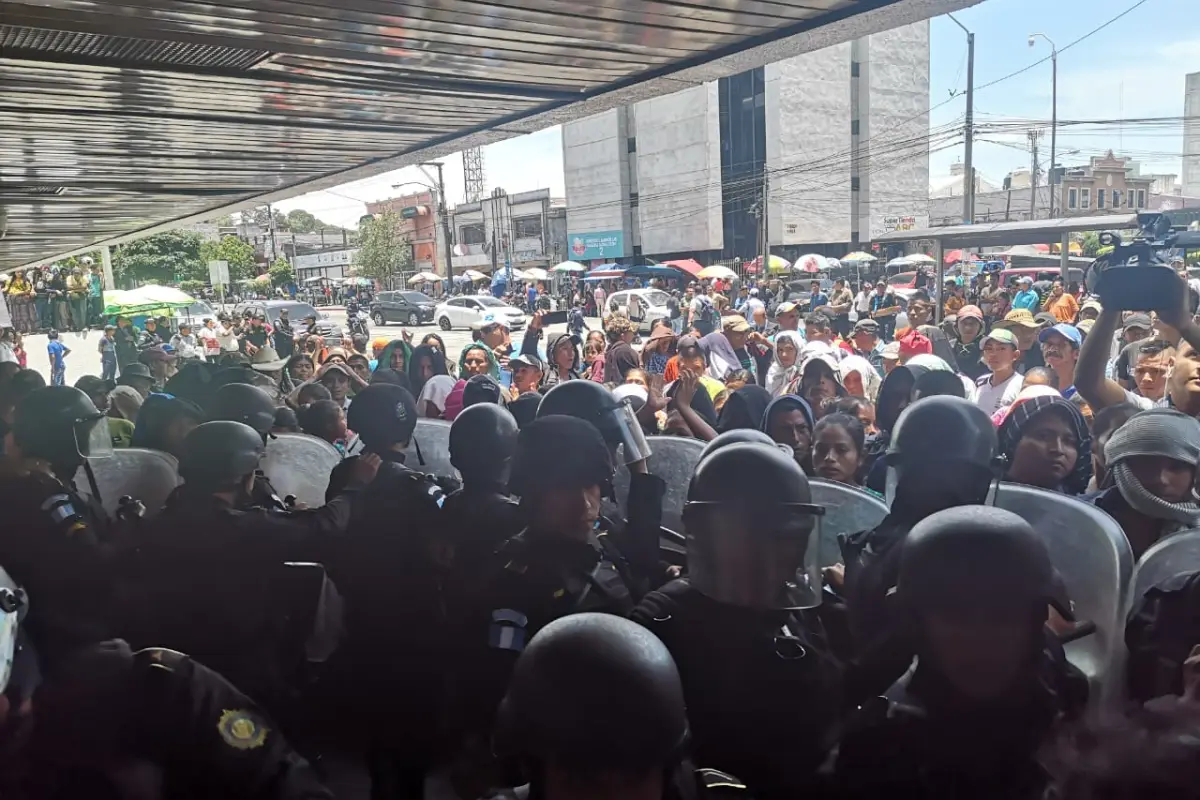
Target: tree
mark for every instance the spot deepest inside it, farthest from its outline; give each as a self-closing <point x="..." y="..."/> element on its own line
<point x="383" y="251"/>
<point x="281" y="273"/>
<point x="261" y="217"/>
<point x="1090" y="241"/>
<point x="164" y="258"/>
<point x="237" y="252"/>
<point x="301" y="221"/>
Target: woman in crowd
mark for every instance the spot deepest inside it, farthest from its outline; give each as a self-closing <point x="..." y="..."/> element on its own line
<point x="784" y="371"/>
<point x="859" y="378"/>
<point x="426" y="362"/>
<point x="619" y="357"/>
<point x="837" y="452"/>
<point x="476" y="359"/>
<point x="743" y="409"/>
<point x="659" y="349"/>
<point x="435" y="341"/>
<point x="326" y="420"/>
<point x="860" y="408"/>
<point x="1046" y="443"/>
<point x="397" y="355"/>
<point x="819" y="381"/>
<point x="789" y="421"/>
<point x="564" y="361"/>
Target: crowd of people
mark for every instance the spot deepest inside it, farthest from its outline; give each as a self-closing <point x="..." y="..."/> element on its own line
<point x="54" y="298"/>
<point x="514" y="631"/>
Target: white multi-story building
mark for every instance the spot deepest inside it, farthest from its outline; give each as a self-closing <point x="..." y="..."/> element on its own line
<point x="833" y="138"/>
<point x="1191" y="136"/>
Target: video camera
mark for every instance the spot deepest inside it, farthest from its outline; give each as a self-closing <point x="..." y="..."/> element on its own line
<point x="1135" y="276"/>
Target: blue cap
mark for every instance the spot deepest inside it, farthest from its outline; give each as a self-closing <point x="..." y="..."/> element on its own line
<point x="1071" y="333"/>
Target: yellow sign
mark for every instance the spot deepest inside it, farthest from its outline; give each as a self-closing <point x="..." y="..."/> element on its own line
<point x="242" y="730"/>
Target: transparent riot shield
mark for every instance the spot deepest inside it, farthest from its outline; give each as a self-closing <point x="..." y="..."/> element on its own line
<point x="432" y="437"/>
<point x="674" y="459"/>
<point x="847" y="510"/>
<point x="1091" y="553"/>
<point x="299" y="465"/>
<point x="148" y="476"/>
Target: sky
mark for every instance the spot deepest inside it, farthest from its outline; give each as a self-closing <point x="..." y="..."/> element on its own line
<point x="1132" y="69"/>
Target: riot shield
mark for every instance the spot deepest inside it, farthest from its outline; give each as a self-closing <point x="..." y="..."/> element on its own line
<point x="432" y="436"/>
<point x="145" y="475"/>
<point x="299" y="465"/>
<point x="1179" y="553"/>
<point x="1091" y="553"/>
<point x="674" y="459"/>
<point x="847" y="510"/>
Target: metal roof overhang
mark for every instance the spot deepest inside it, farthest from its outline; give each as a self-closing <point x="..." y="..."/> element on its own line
<point x="121" y="118"/>
<point x="998" y="234"/>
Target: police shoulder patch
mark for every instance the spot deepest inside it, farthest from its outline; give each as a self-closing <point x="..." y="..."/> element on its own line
<point x="242" y="729"/>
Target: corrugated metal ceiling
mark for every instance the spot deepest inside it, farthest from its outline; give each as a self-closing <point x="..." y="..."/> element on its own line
<point x="117" y="117"/>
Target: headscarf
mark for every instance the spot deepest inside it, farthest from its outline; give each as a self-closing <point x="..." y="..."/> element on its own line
<point x="780" y="377"/>
<point x="788" y="402"/>
<point x="619" y="359"/>
<point x="413" y="366"/>
<point x="744" y="409"/>
<point x="450" y="365"/>
<point x="1161" y="432"/>
<point x="870" y="377"/>
<point x="385" y="358"/>
<point x="1029" y="392"/>
<point x="1018" y="421"/>
<point x="126" y="401"/>
<point x="493" y="363"/>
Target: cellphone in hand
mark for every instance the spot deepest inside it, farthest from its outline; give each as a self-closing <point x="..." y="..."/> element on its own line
<point x="554" y="317"/>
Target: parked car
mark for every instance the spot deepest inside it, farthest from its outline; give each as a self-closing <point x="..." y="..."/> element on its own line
<point x="194" y="315"/>
<point x="643" y="306"/>
<point x="800" y="292"/>
<point x="463" y="312"/>
<point x="1043" y="278"/>
<point x="409" y="308"/>
<point x="330" y="331"/>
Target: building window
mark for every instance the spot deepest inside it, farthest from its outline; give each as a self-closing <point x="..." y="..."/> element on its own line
<point x="471" y="234"/>
<point x="1141" y="198"/>
<point x="527" y="227"/>
<point x="631" y="144"/>
<point x="1085" y="198"/>
<point x="1100" y="197"/>
<point x="854" y="69"/>
<point x="637" y="249"/>
<point x="1072" y="198"/>
<point x="1116" y="198"/>
<point x="855" y="184"/>
<point x="854" y="127"/>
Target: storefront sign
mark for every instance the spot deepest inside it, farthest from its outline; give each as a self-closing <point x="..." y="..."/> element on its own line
<point x="599" y="244"/>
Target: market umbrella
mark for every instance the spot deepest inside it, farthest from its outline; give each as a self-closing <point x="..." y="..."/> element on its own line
<point x="474" y="275"/>
<point x="569" y="266"/>
<point x="143" y="299"/>
<point x="920" y="259"/>
<point x="424" y="277"/>
<point x="811" y="263"/>
<point x="899" y="263"/>
<point x="689" y="265"/>
<point x="717" y="272"/>
<point x="954" y="256"/>
<point x="537" y="274"/>
<point x="858" y="255"/>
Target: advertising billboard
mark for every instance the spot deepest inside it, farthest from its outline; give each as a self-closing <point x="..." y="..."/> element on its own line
<point x="597" y="245"/>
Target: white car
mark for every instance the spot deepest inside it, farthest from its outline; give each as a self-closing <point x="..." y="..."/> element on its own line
<point x="643" y="306"/>
<point x="463" y="312"/>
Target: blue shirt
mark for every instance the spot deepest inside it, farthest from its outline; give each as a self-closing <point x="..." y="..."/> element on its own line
<point x="56" y="349"/>
<point x="1027" y="300"/>
<point x="819" y="299"/>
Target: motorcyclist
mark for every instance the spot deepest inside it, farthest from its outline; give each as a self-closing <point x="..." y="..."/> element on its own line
<point x="53" y="539"/>
<point x="104" y="721"/>
<point x="735" y="625"/>
<point x="596" y="702"/>
<point x="991" y="681"/>
<point x="947" y="437"/>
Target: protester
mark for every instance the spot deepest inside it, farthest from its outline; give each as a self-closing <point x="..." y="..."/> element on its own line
<point x="789" y="421"/>
<point x="865" y="342"/>
<point x="1000" y="386"/>
<point x="1026" y="299"/>
<point x="58" y="353"/>
<point x="324" y="419"/>
<point x="1047" y="444"/>
<point x="884" y="308"/>
<point x="819" y="381"/>
<point x="1061" y="304"/>
<point x="726" y="348"/>
<point x="783" y="376"/>
<point x="1060" y="350"/>
<point x="838" y="449"/>
<point x="1026" y="330"/>
<point x="1105" y="423"/>
<point x="966" y="347"/>
<point x="859" y="377"/>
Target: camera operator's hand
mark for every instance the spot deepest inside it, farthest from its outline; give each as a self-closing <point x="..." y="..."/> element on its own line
<point x="1179" y="315"/>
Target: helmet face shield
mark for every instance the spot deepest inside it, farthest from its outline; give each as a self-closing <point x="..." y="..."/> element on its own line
<point x="92" y="439"/>
<point x="623" y="420"/>
<point x="756" y="558"/>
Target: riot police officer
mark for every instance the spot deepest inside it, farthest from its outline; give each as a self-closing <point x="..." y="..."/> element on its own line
<point x="250" y="405"/>
<point x="761" y="688"/>
<point x="942" y="454"/>
<point x="991" y="680"/>
<point x="106" y="721"/>
<point x="211" y="534"/>
<point x="53" y="539"/>
<point x="596" y="701"/>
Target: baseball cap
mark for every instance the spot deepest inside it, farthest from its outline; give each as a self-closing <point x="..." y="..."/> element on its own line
<point x="1001" y="335"/>
<point x="735" y="324"/>
<point x="1018" y="316"/>
<point x="970" y="312"/>
<point x="1141" y="321"/>
<point x="335" y="366"/>
<point x="1025" y="279"/>
<point x="488" y="320"/>
<point x="1092" y="304"/>
<point x="891" y="351"/>
<point x="1085" y="326"/>
<point x="1045" y="318"/>
<point x="868" y="325"/>
<point x="785" y="308"/>
<point x="525" y="360"/>
<point x="914" y="343"/>
<point x="481" y="389"/>
<point x="1071" y="333"/>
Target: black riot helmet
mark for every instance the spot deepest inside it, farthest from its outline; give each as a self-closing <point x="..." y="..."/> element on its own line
<point x="384" y="415"/>
<point x="593" y="402"/>
<point x="945" y="437"/>
<point x="559" y="452"/>
<point x="736" y="436"/>
<point x="249" y="405"/>
<point x="60" y="424"/>
<point x="220" y="454"/>
<point x="483" y="439"/>
<point x="594" y="692"/>
<point x="752" y="533"/>
<point x="977" y="562"/>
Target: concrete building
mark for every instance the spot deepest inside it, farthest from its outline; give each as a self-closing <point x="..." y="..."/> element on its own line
<point x="419" y="223"/>
<point x="830" y="138"/>
<point x="951" y="185"/>
<point x="528" y="229"/>
<point x="1107" y="183"/>
<point x="1191" y="136"/>
<point x="332" y="264"/>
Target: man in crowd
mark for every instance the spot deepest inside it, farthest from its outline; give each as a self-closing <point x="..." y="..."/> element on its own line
<point x="884" y="308"/>
<point x="1137" y="327"/>
<point x="787" y="315"/>
<point x="840" y="303"/>
<point x="966" y="345"/>
<point x="1023" y="326"/>
<point x="865" y="342"/>
<point x="1060" y="349"/>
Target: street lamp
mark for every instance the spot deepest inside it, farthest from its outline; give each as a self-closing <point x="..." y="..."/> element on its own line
<point x="1033" y="37"/>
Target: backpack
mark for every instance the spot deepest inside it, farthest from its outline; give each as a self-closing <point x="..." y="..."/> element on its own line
<point x="708" y="312"/>
<point x="1160" y="632"/>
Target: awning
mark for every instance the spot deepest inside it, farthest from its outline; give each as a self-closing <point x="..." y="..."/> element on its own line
<point x="689" y="265"/>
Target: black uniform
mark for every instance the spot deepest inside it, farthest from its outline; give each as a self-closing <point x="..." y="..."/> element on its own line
<point x="285" y="338"/>
<point x="110" y="720"/>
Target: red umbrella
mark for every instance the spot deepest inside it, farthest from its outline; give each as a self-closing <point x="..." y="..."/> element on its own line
<point x="688" y="265"/>
<point x="1044" y="248"/>
<point x="954" y="256"/>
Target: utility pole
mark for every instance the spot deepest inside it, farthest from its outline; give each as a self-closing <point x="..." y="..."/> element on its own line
<point x="271" y="229"/>
<point x="969" y="130"/>
<point x="1034" y="136"/>
<point x="442" y="214"/>
<point x="1033" y="37"/>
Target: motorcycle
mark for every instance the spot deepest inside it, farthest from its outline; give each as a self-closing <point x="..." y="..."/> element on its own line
<point x="356" y="322"/>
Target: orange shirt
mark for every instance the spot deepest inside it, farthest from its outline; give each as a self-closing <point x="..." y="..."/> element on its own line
<point x="1065" y="308"/>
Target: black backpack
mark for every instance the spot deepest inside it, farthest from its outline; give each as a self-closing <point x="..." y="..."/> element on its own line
<point x="1160" y="632"/>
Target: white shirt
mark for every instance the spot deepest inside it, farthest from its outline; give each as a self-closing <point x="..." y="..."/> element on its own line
<point x="227" y="338"/>
<point x="186" y="346"/>
<point x="993" y="397"/>
<point x="1145" y="403"/>
<point x="752" y="304"/>
<point x="862" y="302"/>
<point x="7" y="353"/>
